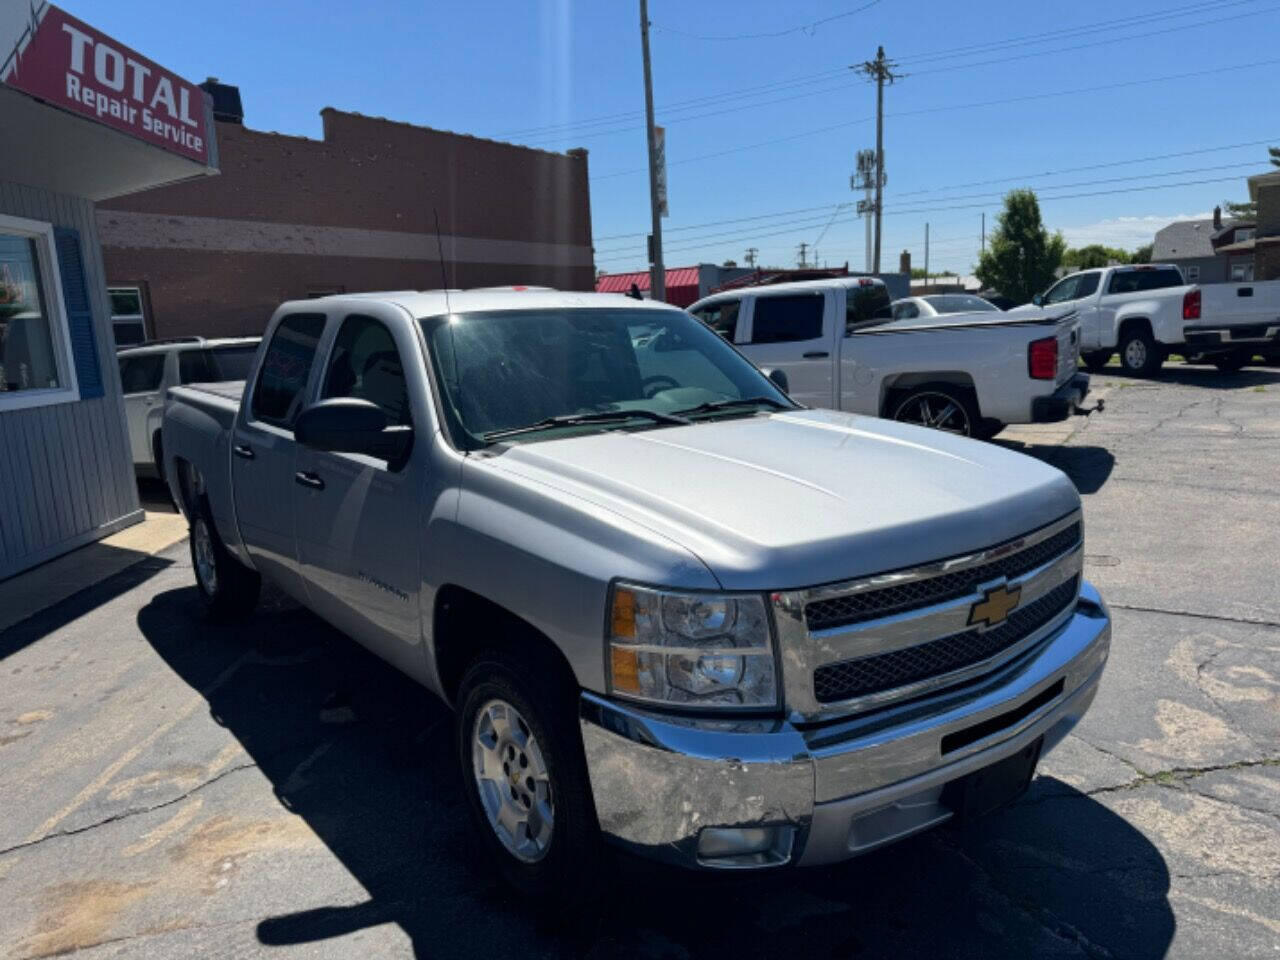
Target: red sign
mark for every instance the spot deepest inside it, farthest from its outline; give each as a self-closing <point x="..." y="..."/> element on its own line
<point x="71" y="65"/>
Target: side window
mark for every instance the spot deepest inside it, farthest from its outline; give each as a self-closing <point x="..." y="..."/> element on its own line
<point x="787" y="319"/>
<point x="1063" y="290"/>
<point x="232" y="363"/>
<point x="906" y="311"/>
<point x="365" y="364"/>
<point x="864" y="303"/>
<point x="1088" y="285"/>
<point x="194" y="366"/>
<point x="721" y="317"/>
<point x="141" y="373"/>
<point x="283" y="376"/>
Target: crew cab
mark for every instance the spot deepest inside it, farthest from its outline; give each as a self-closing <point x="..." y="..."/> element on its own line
<point x="149" y="369"/>
<point x="840" y="347"/>
<point x="1148" y="311"/>
<point x="672" y="608"/>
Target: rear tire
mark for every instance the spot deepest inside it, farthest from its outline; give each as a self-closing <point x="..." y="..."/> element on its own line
<point x="522" y="763"/>
<point x="1096" y="360"/>
<point x="1233" y="362"/>
<point x="228" y="588"/>
<point x="1140" y="355"/>
<point x="939" y="406"/>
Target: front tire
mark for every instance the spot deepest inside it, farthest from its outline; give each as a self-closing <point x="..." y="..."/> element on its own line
<point x="939" y="406"/>
<point x="228" y="588"/>
<point x="1140" y="355"/>
<point x="525" y="777"/>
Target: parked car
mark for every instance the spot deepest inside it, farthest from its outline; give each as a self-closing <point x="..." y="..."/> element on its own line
<point x="671" y="607"/>
<point x="1148" y="311"/>
<point x="968" y="373"/>
<point x="148" y="370"/>
<point x="937" y="304"/>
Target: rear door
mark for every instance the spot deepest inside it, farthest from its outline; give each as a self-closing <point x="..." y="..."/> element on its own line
<point x="794" y="332"/>
<point x="140" y="377"/>
<point x="263" y="449"/>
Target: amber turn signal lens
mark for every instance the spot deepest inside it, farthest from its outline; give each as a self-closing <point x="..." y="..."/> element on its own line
<point x="622" y="620"/>
<point x="626" y="670"/>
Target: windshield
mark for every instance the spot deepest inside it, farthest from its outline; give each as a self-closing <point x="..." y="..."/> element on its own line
<point x="510" y="369"/>
<point x="958" y="303"/>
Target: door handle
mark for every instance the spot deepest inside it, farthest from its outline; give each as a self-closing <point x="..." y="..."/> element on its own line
<point x="308" y="480"/>
<point x="243" y="450"/>
<point x="816" y="354"/>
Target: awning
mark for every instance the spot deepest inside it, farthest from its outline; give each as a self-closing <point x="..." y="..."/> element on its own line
<point x="682" y="284"/>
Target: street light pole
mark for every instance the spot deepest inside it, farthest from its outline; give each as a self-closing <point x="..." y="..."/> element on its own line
<point x="657" y="272"/>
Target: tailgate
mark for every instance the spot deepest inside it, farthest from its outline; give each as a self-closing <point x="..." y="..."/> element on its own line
<point x="1068" y="333"/>
<point x="1233" y="304"/>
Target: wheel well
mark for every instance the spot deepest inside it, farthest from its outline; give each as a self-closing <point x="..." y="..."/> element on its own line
<point x="190" y="486"/>
<point x="465" y="623"/>
<point x="1134" y="324"/>
<point x="901" y="384"/>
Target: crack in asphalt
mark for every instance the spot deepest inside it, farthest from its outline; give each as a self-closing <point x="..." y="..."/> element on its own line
<point x="131" y="812"/>
<point x="1251" y="621"/>
<point x="1038" y="914"/>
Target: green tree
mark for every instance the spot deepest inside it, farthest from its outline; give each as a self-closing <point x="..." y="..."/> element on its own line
<point x="729" y="263"/>
<point x="1021" y="254"/>
<point x="1142" y="254"/>
<point x="1094" y="255"/>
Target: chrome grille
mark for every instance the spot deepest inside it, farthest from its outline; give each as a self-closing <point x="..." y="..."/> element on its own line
<point x="867" y="675"/>
<point x="873" y="604"/>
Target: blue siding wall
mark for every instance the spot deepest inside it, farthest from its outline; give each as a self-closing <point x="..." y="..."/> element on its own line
<point x="66" y="474"/>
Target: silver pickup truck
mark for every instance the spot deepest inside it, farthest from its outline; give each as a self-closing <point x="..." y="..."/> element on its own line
<point x="670" y="607"/>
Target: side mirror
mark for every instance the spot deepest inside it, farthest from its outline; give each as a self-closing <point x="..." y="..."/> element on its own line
<point x="779" y="378"/>
<point x="351" y="425"/>
<point x="1038" y="300"/>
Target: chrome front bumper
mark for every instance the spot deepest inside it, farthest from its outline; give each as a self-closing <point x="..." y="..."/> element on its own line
<point x="840" y="788"/>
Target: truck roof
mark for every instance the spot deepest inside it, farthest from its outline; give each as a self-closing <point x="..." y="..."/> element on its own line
<point x="431" y="303"/>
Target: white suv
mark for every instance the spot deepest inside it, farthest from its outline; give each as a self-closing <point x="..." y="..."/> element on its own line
<point x="148" y="370"/>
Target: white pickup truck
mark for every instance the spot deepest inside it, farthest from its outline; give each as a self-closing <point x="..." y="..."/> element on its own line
<point x="967" y="373"/>
<point x="1148" y="311"/>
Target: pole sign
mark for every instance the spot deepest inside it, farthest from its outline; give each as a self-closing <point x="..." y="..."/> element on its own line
<point x="660" y="161"/>
<point x="69" y="64"/>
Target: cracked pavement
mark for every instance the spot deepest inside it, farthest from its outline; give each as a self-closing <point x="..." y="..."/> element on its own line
<point x="175" y="789"/>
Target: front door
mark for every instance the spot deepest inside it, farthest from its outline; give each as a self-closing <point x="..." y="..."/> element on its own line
<point x="792" y="332"/>
<point x="357" y="517"/>
<point x="262" y="450"/>
<point x="140" y="377"/>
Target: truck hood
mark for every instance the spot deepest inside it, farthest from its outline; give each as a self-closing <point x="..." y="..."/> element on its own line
<point x="803" y="497"/>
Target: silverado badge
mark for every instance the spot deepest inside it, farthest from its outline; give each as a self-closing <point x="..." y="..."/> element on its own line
<point x="992" y="609"/>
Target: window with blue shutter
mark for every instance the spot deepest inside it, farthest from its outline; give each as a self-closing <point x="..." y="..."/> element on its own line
<point x="75" y="294"/>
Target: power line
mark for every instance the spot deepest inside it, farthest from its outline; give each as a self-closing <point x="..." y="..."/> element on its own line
<point x="802" y="28"/>
<point x="971" y="106"/>
<point x="564" y="130"/>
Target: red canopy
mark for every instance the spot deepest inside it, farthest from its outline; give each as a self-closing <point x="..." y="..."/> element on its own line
<point x="682" y="284"/>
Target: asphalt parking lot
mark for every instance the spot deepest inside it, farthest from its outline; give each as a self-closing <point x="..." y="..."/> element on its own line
<point x="174" y="789"/>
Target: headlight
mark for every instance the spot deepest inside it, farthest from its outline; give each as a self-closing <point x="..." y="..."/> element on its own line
<point x="694" y="649"/>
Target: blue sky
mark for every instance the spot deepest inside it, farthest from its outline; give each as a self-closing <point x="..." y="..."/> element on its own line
<point x="544" y="72"/>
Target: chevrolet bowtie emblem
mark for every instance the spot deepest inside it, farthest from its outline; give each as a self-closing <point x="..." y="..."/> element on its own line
<point x="992" y="609"/>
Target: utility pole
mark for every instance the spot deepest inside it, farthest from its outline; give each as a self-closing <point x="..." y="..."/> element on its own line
<point x="803" y="247"/>
<point x="861" y="179"/>
<point x="657" y="272"/>
<point x="879" y="69"/>
<point x="926" y="252"/>
<point x="751" y="256"/>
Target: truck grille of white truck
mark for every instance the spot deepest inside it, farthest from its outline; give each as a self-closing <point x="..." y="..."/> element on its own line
<point x="887" y="671"/>
<point x="887" y="601"/>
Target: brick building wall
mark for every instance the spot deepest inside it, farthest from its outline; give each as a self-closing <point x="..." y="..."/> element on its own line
<point x="291" y="217"/>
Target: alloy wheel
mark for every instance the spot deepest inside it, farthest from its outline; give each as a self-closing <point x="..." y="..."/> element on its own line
<point x="512" y="780"/>
<point x="205" y="562"/>
<point x="936" y="411"/>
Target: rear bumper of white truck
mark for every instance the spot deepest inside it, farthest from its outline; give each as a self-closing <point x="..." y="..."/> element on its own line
<point x="1215" y="338"/>
<point x="751" y="793"/>
<point x="1063" y="402"/>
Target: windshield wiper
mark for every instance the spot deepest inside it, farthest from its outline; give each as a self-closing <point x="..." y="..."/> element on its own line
<point x="711" y="406"/>
<point x="574" y="419"/>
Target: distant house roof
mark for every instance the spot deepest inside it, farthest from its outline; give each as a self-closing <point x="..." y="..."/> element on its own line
<point x="1186" y="239"/>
